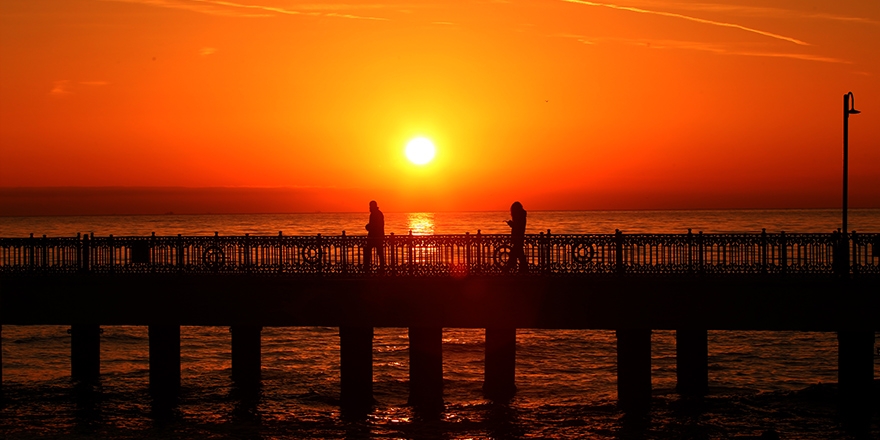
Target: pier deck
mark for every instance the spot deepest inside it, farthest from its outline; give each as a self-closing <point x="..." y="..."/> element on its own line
<point x="817" y="303"/>
<point x="633" y="284"/>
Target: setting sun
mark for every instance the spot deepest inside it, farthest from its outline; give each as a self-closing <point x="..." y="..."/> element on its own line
<point x="420" y="151"/>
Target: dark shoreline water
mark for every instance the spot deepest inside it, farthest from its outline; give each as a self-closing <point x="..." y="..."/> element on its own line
<point x="566" y="389"/>
<point x="101" y="413"/>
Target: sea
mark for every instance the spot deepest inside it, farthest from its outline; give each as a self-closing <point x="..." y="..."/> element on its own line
<point x="760" y="383"/>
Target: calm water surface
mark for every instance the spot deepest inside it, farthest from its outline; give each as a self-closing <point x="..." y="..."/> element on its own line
<point x="566" y="379"/>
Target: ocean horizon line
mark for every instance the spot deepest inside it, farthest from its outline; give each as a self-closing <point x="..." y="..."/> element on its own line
<point x="52" y="201"/>
<point x="463" y="211"/>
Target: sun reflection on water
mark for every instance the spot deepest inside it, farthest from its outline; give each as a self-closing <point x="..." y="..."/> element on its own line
<point x="421" y="223"/>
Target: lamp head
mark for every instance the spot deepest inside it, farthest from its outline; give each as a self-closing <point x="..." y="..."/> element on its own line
<point x="852" y="104"/>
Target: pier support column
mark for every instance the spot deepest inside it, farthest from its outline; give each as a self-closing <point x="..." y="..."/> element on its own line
<point x="692" y="362"/>
<point x="246" y="355"/>
<point x="426" y="366"/>
<point x="85" y="352"/>
<point x="855" y="367"/>
<point x="356" y="366"/>
<point x="500" y="370"/>
<point x="634" y="369"/>
<point x="164" y="360"/>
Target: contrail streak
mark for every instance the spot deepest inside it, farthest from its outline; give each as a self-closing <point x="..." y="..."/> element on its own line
<point x="283" y="10"/>
<point x="203" y="6"/>
<point x="694" y="19"/>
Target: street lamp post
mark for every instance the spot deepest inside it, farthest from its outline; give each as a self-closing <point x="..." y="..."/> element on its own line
<point x="849" y="103"/>
<point x="854" y="343"/>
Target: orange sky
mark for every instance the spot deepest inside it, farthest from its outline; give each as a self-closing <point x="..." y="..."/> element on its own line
<point x="559" y="104"/>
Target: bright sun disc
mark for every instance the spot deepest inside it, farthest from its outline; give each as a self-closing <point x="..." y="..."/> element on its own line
<point x="420" y="151"/>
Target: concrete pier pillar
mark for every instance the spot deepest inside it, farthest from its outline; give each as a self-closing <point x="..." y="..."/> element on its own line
<point x="426" y="366"/>
<point x="855" y="367"/>
<point x="164" y="360"/>
<point x="634" y="369"/>
<point x="85" y="352"/>
<point x="246" y="363"/>
<point x="356" y="366"/>
<point x="500" y="369"/>
<point x="692" y="362"/>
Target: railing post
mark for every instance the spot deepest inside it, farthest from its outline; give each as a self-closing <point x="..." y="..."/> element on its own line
<point x="541" y="251"/>
<point x="44" y="252"/>
<point x="618" y="253"/>
<point x="110" y="245"/>
<point x="467" y="252"/>
<point x="344" y="253"/>
<point x="701" y="249"/>
<point x="247" y="253"/>
<point x="180" y="258"/>
<point x="836" y="251"/>
<point x="479" y="246"/>
<point x="320" y="255"/>
<point x="85" y="253"/>
<point x="545" y="252"/>
<point x="783" y="252"/>
<point x="79" y="266"/>
<point x="411" y="253"/>
<point x="280" y="253"/>
<point x="853" y="266"/>
<point x="690" y="251"/>
<point x="32" y="251"/>
<point x="150" y="259"/>
<point x="392" y="258"/>
<point x="763" y="250"/>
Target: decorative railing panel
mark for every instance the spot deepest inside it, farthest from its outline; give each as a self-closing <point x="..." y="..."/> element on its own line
<point x="449" y="255"/>
<point x="40" y="254"/>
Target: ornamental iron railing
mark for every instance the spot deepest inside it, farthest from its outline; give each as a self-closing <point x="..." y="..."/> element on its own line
<point x="448" y="255"/>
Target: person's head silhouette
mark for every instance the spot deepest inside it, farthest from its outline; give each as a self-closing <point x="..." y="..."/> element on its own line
<point x="516" y="207"/>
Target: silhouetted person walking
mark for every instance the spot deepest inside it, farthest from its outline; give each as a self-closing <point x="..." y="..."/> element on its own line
<point x="375" y="237"/>
<point x="517" y="236"/>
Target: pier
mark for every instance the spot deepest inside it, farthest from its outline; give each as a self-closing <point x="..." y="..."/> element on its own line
<point x="629" y="283"/>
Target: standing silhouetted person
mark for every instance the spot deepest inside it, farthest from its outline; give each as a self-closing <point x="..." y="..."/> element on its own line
<point x="517" y="225"/>
<point x="375" y="237"/>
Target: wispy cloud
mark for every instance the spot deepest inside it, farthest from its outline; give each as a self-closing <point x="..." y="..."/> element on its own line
<point x="702" y="47"/>
<point x="752" y="11"/>
<point x="308" y="10"/>
<point x="187" y="5"/>
<point x="690" y="18"/>
<point x="205" y="51"/>
<point x="794" y="56"/>
<point x="60" y="88"/>
<point x="843" y="18"/>
<point x="228" y="8"/>
<point x="65" y="87"/>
